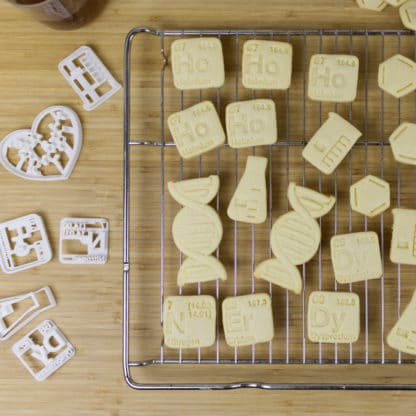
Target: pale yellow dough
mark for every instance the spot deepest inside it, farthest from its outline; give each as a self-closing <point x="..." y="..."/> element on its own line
<point x="408" y="14"/>
<point x="402" y="336"/>
<point x="331" y="143"/>
<point x="247" y="319"/>
<point x="376" y="5"/>
<point x="397" y="76"/>
<point x="197" y="63"/>
<point x="267" y="64"/>
<point x="333" y="78"/>
<point x="189" y="321"/>
<point x="333" y="317"/>
<point x="396" y="3"/>
<point x="196" y="130"/>
<point x="370" y="196"/>
<point x="356" y="257"/>
<point x="403" y="143"/>
<point x="249" y="202"/>
<point x="251" y="123"/>
<point x="403" y="240"/>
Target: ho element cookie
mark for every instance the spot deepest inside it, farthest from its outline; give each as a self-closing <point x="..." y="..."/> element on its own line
<point x="402" y="336"/>
<point x="247" y="319"/>
<point x="189" y="321"/>
<point x="356" y="257"/>
<point x="397" y="76"/>
<point x="331" y="143"/>
<point x="333" y="317"/>
<point x="376" y="5"/>
<point x="197" y="63"/>
<point x="267" y="64"/>
<point x="403" y="240"/>
<point x="251" y="123"/>
<point x="370" y="196"/>
<point x="196" y="130"/>
<point x="333" y="78"/>
<point x="403" y="143"/>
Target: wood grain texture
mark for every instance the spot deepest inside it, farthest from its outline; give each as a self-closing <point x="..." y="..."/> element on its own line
<point x="89" y="298"/>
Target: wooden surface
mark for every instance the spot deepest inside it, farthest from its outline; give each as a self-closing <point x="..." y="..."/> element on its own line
<point x="89" y="298"/>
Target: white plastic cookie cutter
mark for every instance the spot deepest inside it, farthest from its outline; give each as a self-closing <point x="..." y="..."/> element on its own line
<point x="83" y="241"/>
<point x="47" y="152"/>
<point x="23" y="244"/>
<point x="46" y="347"/>
<point x="17" y="311"/>
<point x="89" y="78"/>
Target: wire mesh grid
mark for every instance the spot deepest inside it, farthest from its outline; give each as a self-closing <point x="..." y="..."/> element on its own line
<point x="150" y="98"/>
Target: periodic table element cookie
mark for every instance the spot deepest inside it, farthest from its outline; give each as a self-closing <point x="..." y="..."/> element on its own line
<point x="267" y="64"/>
<point x="249" y="202"/>
<point x="333" y="78"/>
<point x="44" y="350"/>
<point x="88" y="77"/>
<point x="196" y="130"/>
<point x="331" y="143"/>
<point x="402" y="336"/>
<point x="333" y="317"/>
<point x="408" y="14"/>
<point x="197" y="63"/>
<point x="403" y="143"/>
<point x="356" y="257"/>
<point x="397" y="76"/>
<point x="376" y="5"/>
<point x="189" y="321"/>
<point x="247" y="319"/>
<point x="251" y="123"/>
<point x="24" y="244"/>
<point x="370" y="196"/>
<point x="403" y="240"/>
<point x="83" y="241"/>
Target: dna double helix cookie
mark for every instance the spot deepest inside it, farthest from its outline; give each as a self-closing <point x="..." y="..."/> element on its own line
<point x="295" y="237"/>
<point x="197" y="229"/>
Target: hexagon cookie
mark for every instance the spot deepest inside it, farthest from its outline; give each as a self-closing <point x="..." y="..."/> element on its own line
<point x="397" y="76"/>
<point x="376" y="5"/>
<point x="403" y="143"/>
<point x="370" y="196"/>
<point x="408" y="14"/>
<point x="395" y="3"/>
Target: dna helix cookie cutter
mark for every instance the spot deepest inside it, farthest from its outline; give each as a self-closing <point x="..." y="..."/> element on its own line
<point x="295" y="237"/>
<point x="197" y="229"/>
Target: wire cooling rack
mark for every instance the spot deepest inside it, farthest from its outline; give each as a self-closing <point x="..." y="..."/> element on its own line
<point x="151" y="260"/>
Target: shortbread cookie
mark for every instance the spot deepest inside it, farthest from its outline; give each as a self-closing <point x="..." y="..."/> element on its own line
<point x="189" y="321"/>
<point x="249" y="202"/>
<point x="403" y="240"/>
<point x="356" y="257"/>
<point x="331" y="143"/>
<point x="197" y="63"/>
<point x="333" y="78"/>
<point x="402" y="336"/>
<point x="333" y="317"/>
<point x="395" y="3"/>
<point x="403" y="143"/>
<point x="408" y="14"/>
<point x="247" y="319"/>
<point x="397" y="76"/>
<point x="376" y="5"/>
<point x="370" y="196"/>
<point x="196" y="130"/>
<point x="251" y="123"/>
<point x="267" y="64"/>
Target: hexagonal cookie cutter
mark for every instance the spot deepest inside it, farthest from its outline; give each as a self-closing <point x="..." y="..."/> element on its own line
<point x="26" y="153"/>
<point x="20" y="240"/>
<point x="90" y="234"/>
<point x="61" y="349"/>
<point x="89" y="78"/>
<point x="10" y="307"/>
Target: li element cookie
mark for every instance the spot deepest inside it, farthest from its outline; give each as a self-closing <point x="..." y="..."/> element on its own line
<point x="197" y="63"/>
<point x="333" y="317"/>
<point x="189" y="321"/>
<point x="333" y="78"/>
<point x="267" y="64"/>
